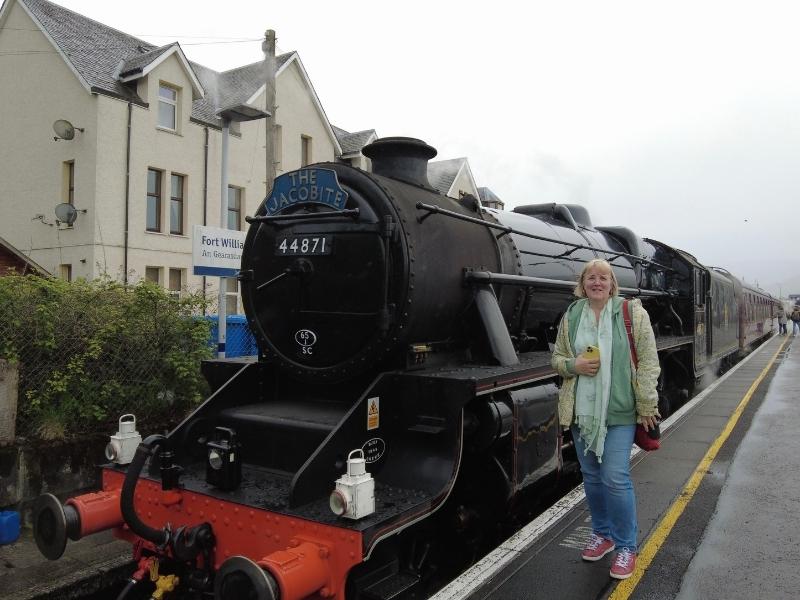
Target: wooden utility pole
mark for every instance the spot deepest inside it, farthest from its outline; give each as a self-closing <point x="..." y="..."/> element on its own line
<point x="268" y="46"/>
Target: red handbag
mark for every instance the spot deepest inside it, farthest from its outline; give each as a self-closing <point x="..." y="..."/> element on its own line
<point x="641" y="438"/>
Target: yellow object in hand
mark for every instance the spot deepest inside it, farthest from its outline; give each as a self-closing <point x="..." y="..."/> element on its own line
<point x="591" y="352"/>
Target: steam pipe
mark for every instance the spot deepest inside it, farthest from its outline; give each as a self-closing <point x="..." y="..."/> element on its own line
<point x="147" y="448"/>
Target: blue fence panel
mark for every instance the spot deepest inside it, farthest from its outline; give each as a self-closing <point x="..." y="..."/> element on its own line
<point x="239" y="340"/>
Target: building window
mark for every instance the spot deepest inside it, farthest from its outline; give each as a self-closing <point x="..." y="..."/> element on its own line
<point x="234" y="208"/>
<point x="175" y="282"/>
<point x="153" y="200"/>
<point x="167" y="107"/>
<point x="231" y="296"/>
<point x="153" y="275"/>
<point x="176" y="204"/>
<point x="65" y="272"/>
<point x="69" y="182"/>
<point x="305" y="150"/>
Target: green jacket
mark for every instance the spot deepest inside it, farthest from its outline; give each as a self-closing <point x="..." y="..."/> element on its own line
<point x="642" y="382"/>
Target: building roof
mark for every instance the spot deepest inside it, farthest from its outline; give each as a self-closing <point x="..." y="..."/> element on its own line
<point x="488" y="197"/>
<point x="352" y="143"/>
<point x="442" y="173"/>
<point x="105" y="60"/>
<point x="21" y="258"/>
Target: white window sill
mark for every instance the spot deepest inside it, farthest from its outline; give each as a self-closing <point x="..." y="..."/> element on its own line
<point x="167" y="130"/>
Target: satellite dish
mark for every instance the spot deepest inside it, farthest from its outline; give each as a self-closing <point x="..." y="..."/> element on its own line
<point x="65" y="130"/>
<point x="66" y="213"/>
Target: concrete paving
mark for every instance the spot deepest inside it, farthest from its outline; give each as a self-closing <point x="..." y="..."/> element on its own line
<point x="87" y="566"/>
<point x="751" y="547"/>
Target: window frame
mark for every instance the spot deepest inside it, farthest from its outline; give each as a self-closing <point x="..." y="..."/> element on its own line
<point x="157" y="270"/>
<point x="171" y="290"/>
<point x="157" y="196"/>
<point x="238" y="195"/>
<point x="170" y="102"/>
<point x="231" y="296"/>
<point x="69" y="182"/>
<point x="306" y="156"/>
<point x="180" y="201"/>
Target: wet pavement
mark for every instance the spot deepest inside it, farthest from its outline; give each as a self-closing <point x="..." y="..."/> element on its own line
<point x="88" y="566"/>
<point x="751" y="547"/>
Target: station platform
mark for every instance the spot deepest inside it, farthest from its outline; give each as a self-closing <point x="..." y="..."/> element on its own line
<point x="717" y="505"/>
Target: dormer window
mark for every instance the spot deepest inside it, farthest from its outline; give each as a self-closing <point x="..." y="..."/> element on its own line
<point x="167" y="107"/>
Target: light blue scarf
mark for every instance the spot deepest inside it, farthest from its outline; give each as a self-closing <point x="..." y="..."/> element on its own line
<point x="592" y="393"/>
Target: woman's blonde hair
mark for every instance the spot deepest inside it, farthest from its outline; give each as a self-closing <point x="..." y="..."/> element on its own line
<point x="580" y="291"/>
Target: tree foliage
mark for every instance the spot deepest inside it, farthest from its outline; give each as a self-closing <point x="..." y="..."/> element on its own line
<point x="90" y="351"/>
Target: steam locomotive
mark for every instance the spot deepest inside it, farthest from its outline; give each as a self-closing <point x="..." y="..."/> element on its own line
<point x="402" y="410"/>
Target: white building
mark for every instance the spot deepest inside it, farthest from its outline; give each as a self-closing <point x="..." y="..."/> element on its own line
<point x="144" y="164"/>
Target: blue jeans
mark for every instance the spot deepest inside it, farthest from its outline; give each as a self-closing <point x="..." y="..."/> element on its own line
<point x="608" y="486"/>
<point x="795" y="327"/>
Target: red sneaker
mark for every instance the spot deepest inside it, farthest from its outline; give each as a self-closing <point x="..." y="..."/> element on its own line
<point x="597" y="548"/>
<point x="623" y="565"/>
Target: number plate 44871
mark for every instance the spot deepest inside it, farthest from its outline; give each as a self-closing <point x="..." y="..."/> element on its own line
<point x="304" y="245"/>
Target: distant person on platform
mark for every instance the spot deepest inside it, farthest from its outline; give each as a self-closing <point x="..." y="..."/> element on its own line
<point x="795" y="320"/>
<point x="601" y="400"/>
<point x="781" y="321"/>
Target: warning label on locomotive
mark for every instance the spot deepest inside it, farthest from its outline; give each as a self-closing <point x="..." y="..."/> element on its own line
<point x="306" y="186"/>
<point x="373" y="413"/>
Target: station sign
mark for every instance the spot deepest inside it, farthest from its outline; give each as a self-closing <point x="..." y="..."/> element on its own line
<point x="217" y="252"/>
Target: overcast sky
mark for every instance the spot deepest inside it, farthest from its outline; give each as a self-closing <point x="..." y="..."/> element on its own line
<point x="679" y="120"/>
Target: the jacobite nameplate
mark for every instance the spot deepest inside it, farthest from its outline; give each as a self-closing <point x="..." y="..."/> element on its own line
<point x="306" y="186"/>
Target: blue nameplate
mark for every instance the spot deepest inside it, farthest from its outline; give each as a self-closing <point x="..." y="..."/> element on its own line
<point x="306" y="186"/>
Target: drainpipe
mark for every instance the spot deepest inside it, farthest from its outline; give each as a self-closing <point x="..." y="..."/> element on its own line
<point x="205" y="201"/>
<point x="127" y="192"/>
<point x="223" y="223"/>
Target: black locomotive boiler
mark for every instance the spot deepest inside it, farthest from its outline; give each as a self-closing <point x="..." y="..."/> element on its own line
<point x="403" y="406"/>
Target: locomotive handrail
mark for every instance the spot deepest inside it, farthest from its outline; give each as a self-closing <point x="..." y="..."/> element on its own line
<point x="484" y="277"/>
<point x="353" y="213"/>
<point x="507" y="229"/>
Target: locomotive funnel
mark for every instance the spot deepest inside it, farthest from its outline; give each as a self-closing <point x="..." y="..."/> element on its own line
<point x="401" y="158"/>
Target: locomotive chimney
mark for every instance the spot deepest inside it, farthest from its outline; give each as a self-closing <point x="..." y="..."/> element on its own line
<point x="401" y="158"/>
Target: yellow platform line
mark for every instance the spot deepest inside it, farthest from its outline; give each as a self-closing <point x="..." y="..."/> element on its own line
<point x="626" y="587"/>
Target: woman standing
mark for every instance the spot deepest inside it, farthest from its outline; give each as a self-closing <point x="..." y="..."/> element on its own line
<point x="781" y="321"/>
<point x="795" y="320"/>
<point x="601" y="400"/>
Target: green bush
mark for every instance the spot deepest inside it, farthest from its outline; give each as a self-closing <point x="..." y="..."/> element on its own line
<point x="90" y="351"/>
